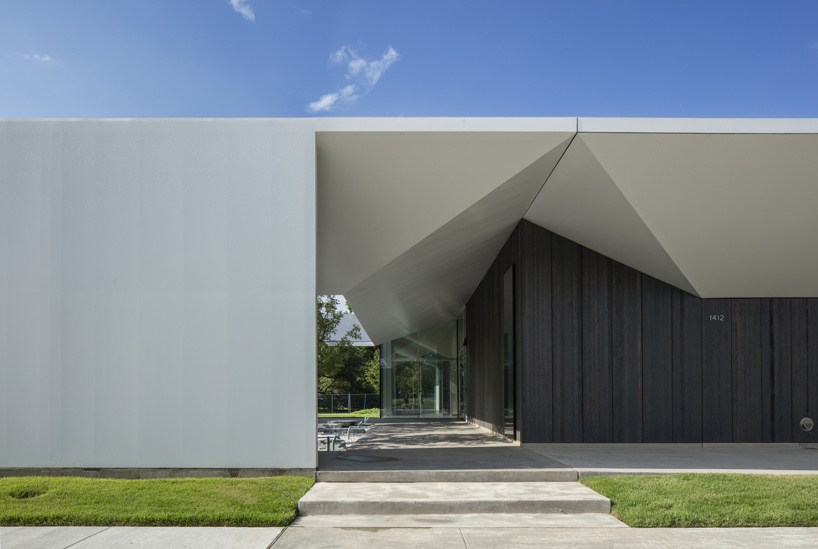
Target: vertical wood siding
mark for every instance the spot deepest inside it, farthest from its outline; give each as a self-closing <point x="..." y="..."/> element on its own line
<point x="608" y="354"/>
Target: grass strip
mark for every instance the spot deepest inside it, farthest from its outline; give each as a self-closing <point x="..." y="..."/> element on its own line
<point x="72" y="501"/>
<point x="710" y="500"/>
<point x="369" y="412"/>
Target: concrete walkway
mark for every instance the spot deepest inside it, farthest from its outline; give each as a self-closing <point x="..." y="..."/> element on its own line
<point x="136" y="538"/>
<point x="656" y="459"/>
<point x="519" y="536"/>
<point x="451" y="451"/>
<point x="569" y="538"/>
<point x="394" y="449"/>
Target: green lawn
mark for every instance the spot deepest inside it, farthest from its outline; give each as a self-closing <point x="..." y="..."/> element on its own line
<point x="71" y="501"/>
<point x="369" y="412"/>
<point x="711" y="500"/>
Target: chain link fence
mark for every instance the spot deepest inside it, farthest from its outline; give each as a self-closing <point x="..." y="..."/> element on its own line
<point x="343" y="403"/>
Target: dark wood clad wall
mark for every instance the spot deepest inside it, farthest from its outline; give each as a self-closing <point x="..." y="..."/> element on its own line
<point x="687" y="367"/>
<point x="626" y="312"/>
<point x="608" y="354"/>
<point x="484" y="351"/>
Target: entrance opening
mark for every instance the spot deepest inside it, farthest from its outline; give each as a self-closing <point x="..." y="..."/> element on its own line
<point x="419" y="374"/>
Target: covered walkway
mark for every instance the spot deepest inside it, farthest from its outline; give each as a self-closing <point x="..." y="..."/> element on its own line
<point x="448" y="450"/>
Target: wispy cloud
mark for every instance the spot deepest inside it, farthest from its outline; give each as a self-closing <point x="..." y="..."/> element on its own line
<point x="38" y="57"/>
<point x="242" y="7"/>
<point x="362" y="75"/>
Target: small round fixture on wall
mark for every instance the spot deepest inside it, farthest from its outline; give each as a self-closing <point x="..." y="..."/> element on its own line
<point x="807" y="424"/>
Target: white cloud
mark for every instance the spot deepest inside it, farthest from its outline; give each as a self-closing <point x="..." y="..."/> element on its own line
<point x="362" y="74"/>
<point x="242" y="7"/>
<point x="339" y="57"/>
<point x="38" y="57"/>
<point x="327" y="102"/>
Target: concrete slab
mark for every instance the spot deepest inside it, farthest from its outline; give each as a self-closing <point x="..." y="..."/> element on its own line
<point x="467" y="520"/>
<point x="391" y="498"/>
<point x="137" y="538"/>
<point x="45" y="537"/>
<point x="641" y="459"/>
<point x="437" y="451"/>
<point x="355" y="538"/>
<point x="679" y="538"/>
<point x="428" y="433"/>
<point x="181" y="538"/>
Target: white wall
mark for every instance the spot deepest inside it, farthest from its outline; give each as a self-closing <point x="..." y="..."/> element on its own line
<point x="157" y="283"/>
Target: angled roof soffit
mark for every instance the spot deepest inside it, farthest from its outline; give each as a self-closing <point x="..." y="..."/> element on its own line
<point x="430" y="282"/>
<point x="736" y="212"/>
<point x="410" y="222"/>
<point x="581" y="202"/>
<point x="380" y="193"/>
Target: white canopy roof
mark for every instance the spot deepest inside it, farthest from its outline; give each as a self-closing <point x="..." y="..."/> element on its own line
<point x="411" y="212"/>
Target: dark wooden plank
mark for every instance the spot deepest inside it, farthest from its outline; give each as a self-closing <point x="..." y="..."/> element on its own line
<point x="626" y="306"/>
<point x="766" y="371"/>
<point x="567" y="340"/>
<point x="812" y="366"/>
<point x="687" y="367"/>
<point x="780" y="371"/>
<point x="596" y="347"/>
<point x="717" y="396"/>
<point x="800" y="368"/>
<point x="535" y="333"/>
<point x="657" y="362"/>
<point x="746" y="370"/>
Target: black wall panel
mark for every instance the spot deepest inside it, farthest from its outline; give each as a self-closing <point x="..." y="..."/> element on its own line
<point x="657" y="361"/>
<point x="717" y="371"/>
<point x="566" y="330"/>
<point x="596" y="348"/>
<point x="626" y="336"/>
<point x="687" y="367"/>
<point x="799" y="342"/>
<point x="534" y="333"/>
<point x="608" y="354"/>
<point x="746" y="370"/>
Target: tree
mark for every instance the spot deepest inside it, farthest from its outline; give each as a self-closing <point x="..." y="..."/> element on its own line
<point x="342" y="367"/>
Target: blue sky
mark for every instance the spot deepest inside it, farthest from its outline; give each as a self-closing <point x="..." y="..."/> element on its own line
<point x="294" y="58"/>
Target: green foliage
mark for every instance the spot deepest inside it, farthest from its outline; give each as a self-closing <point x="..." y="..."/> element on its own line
<point x="342" y="367"/>
<point x="71" y="501"/>
<point x="711" y="500"/>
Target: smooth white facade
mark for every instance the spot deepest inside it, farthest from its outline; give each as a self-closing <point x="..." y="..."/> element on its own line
<point x="157" y="286"/>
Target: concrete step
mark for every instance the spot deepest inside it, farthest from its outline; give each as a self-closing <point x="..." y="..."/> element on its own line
<point x="465" y="520"/>
<point x="428" y="498"/>
<point x="450" y="475"/>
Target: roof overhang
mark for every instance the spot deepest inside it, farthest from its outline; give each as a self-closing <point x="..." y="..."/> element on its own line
<point x="411" y="212"/>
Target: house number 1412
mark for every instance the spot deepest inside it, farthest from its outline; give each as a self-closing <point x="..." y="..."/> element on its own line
<point x="717" y="318"/>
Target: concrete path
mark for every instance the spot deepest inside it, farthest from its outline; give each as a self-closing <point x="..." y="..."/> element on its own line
<point x="470" y="537"/>
<point x="406" y="498"/>
<point x="652" y="459"/>
<point x="463" y="520"/>
<point x="569" y="538"/>
<point x="136" y="538"/>
<point x="437" y="451"/>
